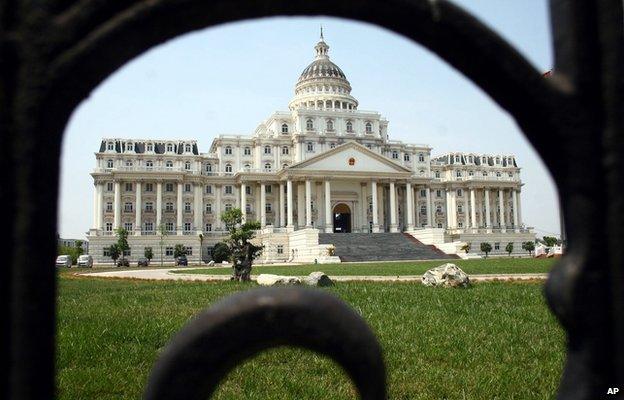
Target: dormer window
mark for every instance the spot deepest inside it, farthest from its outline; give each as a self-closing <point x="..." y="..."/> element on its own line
<point x="330" y="125"/>
<point x="470" y="159"/>
<point x="187" y="148"/>
<point x="309" y="124"/>
<point x="247" y="151"/>
<point x="129" y="147"/>
<point x="169" y="147"/>
<point x="267" y="149"/>
<point x="349" y="126"/>
<point x="406" y="157"/>
<point x="228" y="151"/>
<point x="368" y="127"/>
<point x="150" y="147"/>
<point x="110" y="146"/>
<point x="456" y="159"/>
<point x="284" y="128"/>
<point x="497" y="160"/>
<point x="395" y="154"/>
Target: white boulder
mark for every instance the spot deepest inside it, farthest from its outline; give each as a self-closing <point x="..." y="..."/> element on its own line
<point x="447" y="275"/>
<point x="276" y="280"/>
<point x="211" y="263"/>
<point x="318" y="279"/>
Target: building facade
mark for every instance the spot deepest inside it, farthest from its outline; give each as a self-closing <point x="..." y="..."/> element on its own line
<point x="322" y="166"/>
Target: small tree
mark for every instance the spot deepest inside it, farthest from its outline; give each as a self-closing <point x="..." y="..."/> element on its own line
<point x="466" y="248"/>
<point x="486" y="248"/>
<point x="509" y="248"/>
<point x="550" y="241"/>
<point x="114" y="251"/>
<point x="162" y="233"/>
<point x="528" y="246"/>
<point x="122" y="242"/>
<point x="220" y="252"/>
<point x="242" y="250"/>
<point x="79" y="249"/>
<point x="179" y="250"/>
<point x="148" y="253"/>
<point x="201" y="247"/>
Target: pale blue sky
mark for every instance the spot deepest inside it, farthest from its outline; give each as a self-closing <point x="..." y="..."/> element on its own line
<point x="227" y="79"/>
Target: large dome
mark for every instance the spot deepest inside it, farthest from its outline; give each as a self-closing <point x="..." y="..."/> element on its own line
<point x="322" y="68"/>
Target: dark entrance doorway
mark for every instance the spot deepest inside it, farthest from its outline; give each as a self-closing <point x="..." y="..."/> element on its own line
<point x="342" y="218"/>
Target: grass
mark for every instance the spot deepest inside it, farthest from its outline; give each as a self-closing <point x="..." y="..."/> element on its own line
<point x="475" y="266"/>
<point x="492" y="341"/>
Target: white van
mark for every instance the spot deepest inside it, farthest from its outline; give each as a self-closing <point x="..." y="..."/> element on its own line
<point x="85" y="260"/>
<point x="63" y="261"/>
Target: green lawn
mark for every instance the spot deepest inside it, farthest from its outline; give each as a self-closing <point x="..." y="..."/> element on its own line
<point x="478" y="266"/>
<point x="494" y="340"/>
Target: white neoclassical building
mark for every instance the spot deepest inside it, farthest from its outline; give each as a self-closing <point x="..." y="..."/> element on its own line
<point x="322" y="166"/>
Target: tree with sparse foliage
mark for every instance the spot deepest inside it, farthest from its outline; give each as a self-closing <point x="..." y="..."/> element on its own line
<point x="122" y="243"/>
<point x="486" y="248"/>
<point x="242" y="251"/>
<point x="113" y="251"/>
<point x="528" y="246"/>
<point x="179" y="250"/>
<point x="162" y="233"/>
<point x="509" y="248"/>
<point x="466" y="248"/>
<point x="550" y="241"/>
<point x="148" y="253"/>
<point x="220" y="253"/>
<point x="201" y="248"/>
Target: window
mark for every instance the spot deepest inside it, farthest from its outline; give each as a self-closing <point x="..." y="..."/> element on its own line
<point x="169" y="164"/>
<point x="187" y="148"/>
<point x="247" y="151"/>
<point x="369" y="127"/>
<point x="510" y="175"/>
<point x="247" y="167"/>
<point x="267" y="167"/>
<point x="349" y="126"/>
<point x="149" y="226"/>
<point x="187" y="165"/>
<point x="458" y="173"/>
<point x="438" y="193"/>
<point x="106" y="252"/>
<point x="248" y="208"/>
<point x="149" y="187"/>
<point x="169" y="147"/>
<point x="110" y="146"/>
<point x="169" y="206"/>
<point x="309" y="125"/>
<point x="149" y="164"/>
<point x="456" y="159"/>
<point x="423" y="210"/>
<point x="267" y="149"/>
<point x="470" y="173"/>
<point x="460" y="224"/>
<point x="109" y="164"/>
<point x="228" y="207"/>
<point x="228" y="150"/>
<point x="109" y="206"/>
<point x="439" y="225"/>
<point x="208" y="208"/>
<point x="189" y="251"/>
<point x="285" y="150"/>
<point x="129" y="163"/>
<point x="497" y="160"/>
<point x="497" y="246"/>
<point x="460" y="208"/>
<point x="187" y="207"/>
<point x="459" y="193"/>
<point x="187" y="187"/>
<point x="369" y="146"/>
<point x="128" y="226"/>
<point x="208" y="189"/>
<point x="439" y="209"/>
<point x="280" y="249"/>
<point x="228" y="168"/>
<point x="395" y="154"/>
<point x="248" y="189"/>
<point x="149" y="206"/>
<point x="485" y="173"/>
<point x="370" y="206"/>
<point x="284" y="128"/>
<point x="109" y="186"/>
<point x="169" y="251"/>
<point x="168" y="187"/>
<point x="150" y="147"/>
<point x="285" y="165"/>
<point x="421" y="157"/>
<point x="187" y="226"/>
<point x="330" y="125"/>
<point x="169" y="228"/>
<point x="437" y="174"/>
<point x="228" y="189"/>
<point x="208" y="227"/>
<point x="406" y="157"/>
<point x="208" y="167"/>
<point x="498" y="174"/>
<point x="332" y="145"/>
<point x="310" y="147"/>
<point x="267" y="207"/>
<point x="128" y="187"/>
<point x="423" y="192"/>
<point x="267" y="189"/>
<point x="109" y="227"/>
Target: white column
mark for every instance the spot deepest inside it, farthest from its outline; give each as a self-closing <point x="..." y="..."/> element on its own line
<point x="243" y="201"/>
<point x="375" y="205"/>
<point x="488" y="217"/>
<point x="429" y="211"/>
<point x="382" y="208"/>
<point x="282" y="206"/>
<point x="262" y="205"/>
<point x="198" y="209"/>
<point x="300" y="205"/>
<point x="473" y="210"/>
<point x="501" y="205"/>
<point x="466" y="210"/>
<point x="138" y="209"/>
<point x="179" y="209"/>
<point x="319" y="191"/>
<point x="449" y="210"/>
<point x="217" y="207"/>
<point x="100" y="194"/>
<point x="519" y="209"/>
<point x="289" y="195"/>
<point x="329" y="222"/>
<point x="409" y="199"/>
<point x="158" y="204"/>
<point x="308" y="205"/>
<point x="117" y="206"/>
<point x="393" y="211"/>
<point x="96" y="209"/>
<point x="514" y="198"/>
<point x="364" y="207"/>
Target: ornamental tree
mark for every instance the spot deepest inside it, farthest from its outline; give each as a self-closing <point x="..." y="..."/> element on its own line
<point x="122" y="242"/>
<point x="148" y="253"/>
<point x="242" y="251"/>
<point x="509" y="248"/>
<point x="179" y="250"/>
<point x="114" y="251"/>
<point x="528" y="246"/>
<point x="550" y="241"/>
<point x="486" y="248"/>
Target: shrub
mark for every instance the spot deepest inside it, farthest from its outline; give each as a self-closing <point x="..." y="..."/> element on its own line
<point x="220" y="252"/>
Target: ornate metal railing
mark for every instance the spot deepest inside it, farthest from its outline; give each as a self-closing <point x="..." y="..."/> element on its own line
<point x="55" y="52"/>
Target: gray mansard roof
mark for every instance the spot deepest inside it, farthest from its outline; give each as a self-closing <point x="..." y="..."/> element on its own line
<point x="139" y="146"/>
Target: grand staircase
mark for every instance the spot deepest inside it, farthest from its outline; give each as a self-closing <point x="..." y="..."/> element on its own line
<point x="380" y="247"/>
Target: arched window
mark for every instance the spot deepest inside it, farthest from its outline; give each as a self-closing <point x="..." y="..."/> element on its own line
<point x="228" y="167"/>
<point x="187" y="165"/>
<point x="208" y="167"/>
<point x="349" y="126"/>
<point x="458" y="173"/>
<point x="187" y="148"/>
<point x="328" y="104"/>
<point x="369" y="127"/>
<point x="309" y="125"/>
<point x="169" y="164"/>
<point x="169" y="147"/>
<point x="437" y="174"/>
<point x="284" y="128"/>
<point x="247" y="151"/>
<point x="421" y="157"/>
<point x="130" y="146"/>
<point x="228" y="150"/>
<point x="247" y="167"/>
<point x="110" y="146"/>
<point x="109" y="164"/>
<point x="330" y="125"/>
<point x="129" y="163"/>
<point x="149" y="164"/>
<point x="395" y="154"/>
<point x="267" y="167"/>
<point x="150" y="147"/>
<point x="267" y="149"/>
<point x="285" y="165"/>
<point x="285" y="150"/>
<point x="406" y="157"/>
<point x="310" y="147"/>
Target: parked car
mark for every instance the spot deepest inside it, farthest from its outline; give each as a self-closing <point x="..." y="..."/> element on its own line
<point x="85" y="260"/>
<point x="64" y="261"/>
<point x="182" y="260"/>
<point x="123" y="263"/>
<point x="143" y="262"/>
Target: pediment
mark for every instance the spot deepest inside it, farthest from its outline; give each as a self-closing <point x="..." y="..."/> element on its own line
<point x="350" y="157"/>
